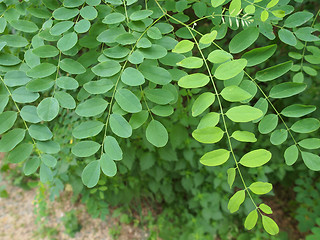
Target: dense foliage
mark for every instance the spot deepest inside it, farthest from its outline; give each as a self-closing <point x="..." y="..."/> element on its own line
<point x="105" y="96"/>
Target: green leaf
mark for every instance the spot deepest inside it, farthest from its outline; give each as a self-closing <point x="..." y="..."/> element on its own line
<point x="40" y="132"/>
<point x="208" y="38"/>
<point x="128" y="101"/>
<point x="29" y="114"/>
<point x="92" y="107"/>
<point x="297" y="19"/>
<point x="16" y="78"/>
<point x="216" y="3"/>
<point x="219" y="56"/>
<point x="209" y="120"/>
<point x="260" y="187"/>
<point x="230" y="69"/>
<point x="235" y="94"/>
<point x="191" y="63"/>
<point x="50" y="147"/>
<point x="244" y="113"/>
<point x="291" y="155"/>
<point x="61" y="27"/>
<point x="22" y="95"/>
<point x="8" y="59"/>
<point x="132" y="77"/>
<point x="265" y="208"/>
<point x="20" y="153"/>
<point x="306" y="125"/>
<point x="48" y="109"/>
<point x="67" y="83"/>
<point x="65" y="100"/>
<point x="40" y="84"/>
<point x="231" y="176"/>
<point x="310" y="143"/>
<point x="236" y="200"/>
<point x="278" y="136"/>
<point x="195" y="80"/>
<point x="71" y="66"/>
<point x="140" y="15"/>
<point x="264" y="15"/>
<point x="183" y="46"/>
<point x="67" y="42"/>
<point x="88" y="13"/>
<point x="156" y="133"/>
<point x="298" y="110"/>
<point x="112" y="148"/>
<point x="287" y="89"/>
<point x="255" y="158"/>
<point x="137" y="119"/>
<point x="46" y="175"/>
<point x="46" y="51"/>
<point x="120" y="126"/>
<point x="14" y="41"/>
<point x="269" y="225"/>
<point x="82" y="26"/>
<point x="87" y="129"/>
<point x="162" y="111"/>
<point x="204" y="101"/>
<point x="274" y="72"/>
<point x="114" y="18"/>
<point x="268" y="123"/>
<point x="154" y="52"/>
<point x="159" y="96"/>
<point x="235" y="7"/>
<point x="7" y="119"/>
<point x="215" y="157"/>
<point x="108" y="166"/>
<point x="287" y="37"/>
<point x="42" y="70"/>
<point x="251" y="220"/>
<point x="11" y="139"/>
<point x="98" y="87"/>
<point x="31" y="166"/>
<point x="106" y="69"/>
<point x="208" y="134"/>
<point x="24" y="26"/>
<point x="243" y="40"/>
<point x="259" y="55"/>
<point x="311" y="160"/>
<point x="91" y="174"/>
<point x="49" y="160"/>
<point x="85" y="148"/>
<point x="157" y="75"/>
<point x="244" y="136"/>
<point x="63" y="13"/>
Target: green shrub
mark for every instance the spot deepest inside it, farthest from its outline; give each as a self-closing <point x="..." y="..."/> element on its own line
<point x="90" y="89"/>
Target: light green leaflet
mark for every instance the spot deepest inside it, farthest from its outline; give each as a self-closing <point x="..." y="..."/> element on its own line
<point x="157" y="134"/>
<point x="255" y="158"/>
<point x="85" y="148"/>
<point x="7" y="119"/>
<point x="91" y="107"/>
<point x="191" y="62"/>
<point x="87" y="129"/>
<point x="48" y="109"/>
<point x="208" y="134"/>
<point x="108" y="166"/>
<point x="244" y="39"/>
<point x="183" y="46"/>
<point x="219" y="56"/>
<point x="251" y="220"/>
<point x="215" y="157"/>
<point x="120" y="126"/>
<point x="260" y="187"/>
<point x="243" y="113"/>
<point x="230" y="69"/>
<point x="40" y="132"/>
<point x="204" y="101"/>
<point x="194" y="80"/>
<point x="67" y="41"/>
<point x="112" y="148"/>
<point x="91" y="174"/>
<point x="128" y="101"/>
<point x="236" y="200"/>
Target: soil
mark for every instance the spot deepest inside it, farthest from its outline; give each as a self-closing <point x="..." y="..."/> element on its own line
<point x="18" y="220"/>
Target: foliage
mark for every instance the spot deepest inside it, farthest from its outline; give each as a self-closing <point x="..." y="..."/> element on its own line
<point x="307" y="197"/>
<point x="90" y="89"/>
<point x="70" y="222"/>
